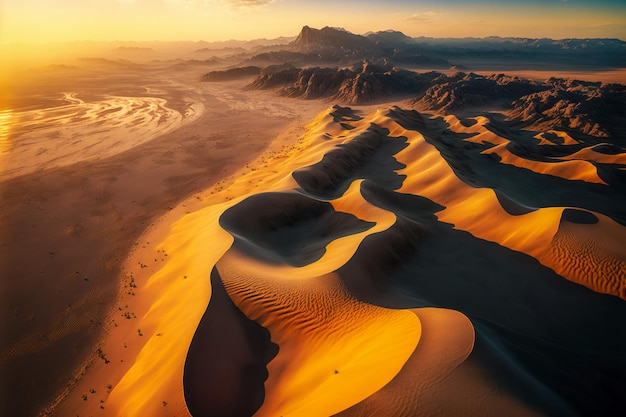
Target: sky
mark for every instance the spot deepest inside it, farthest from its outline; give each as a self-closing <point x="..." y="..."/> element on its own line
<point x="39" y="21"/>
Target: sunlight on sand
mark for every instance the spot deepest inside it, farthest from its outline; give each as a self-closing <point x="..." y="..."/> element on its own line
<point x="6" y="118"/>
<point x="82" y="131"/>
<point x="187" y="266"/>
<point x="331" y="345"/>
<point x="175" y="299"/>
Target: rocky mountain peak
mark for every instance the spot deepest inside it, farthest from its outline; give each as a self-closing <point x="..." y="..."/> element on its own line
<point x="327" y="37"/>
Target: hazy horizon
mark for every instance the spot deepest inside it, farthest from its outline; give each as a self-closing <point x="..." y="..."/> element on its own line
<point x="39" y="21"/>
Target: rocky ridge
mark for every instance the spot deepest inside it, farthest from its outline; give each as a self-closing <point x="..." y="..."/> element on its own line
<point x="594" y="109"/>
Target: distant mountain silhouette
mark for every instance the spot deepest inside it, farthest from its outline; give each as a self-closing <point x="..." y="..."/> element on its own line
<point x="313" y="39"/>
<point x="599" y="53"/>
<point x="332" y="45"/>
<point x="336" y="64"/>
<point x="338" y="47"/>
<point x="390" y="37"/>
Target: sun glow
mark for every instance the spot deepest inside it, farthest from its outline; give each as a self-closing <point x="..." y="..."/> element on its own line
<point x="143" y="20"/>
<point x="5" y="125"/>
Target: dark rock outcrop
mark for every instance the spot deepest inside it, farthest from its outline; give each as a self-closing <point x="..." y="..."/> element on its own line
<point x="460" y="91"/>
<point x="274" y="79"/>
<point x="588" y="108"/>
<point x="592" y="108"/>
<point x="231" y="74"/>
<point x="363" y="83"/>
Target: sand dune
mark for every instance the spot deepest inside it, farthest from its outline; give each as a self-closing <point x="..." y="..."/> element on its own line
<point x="437" y="367"/>
<point x="243" y="348"/>
<point x="67" y="230"/>
<point x="372" y="265"/>
<point x="330" y="345"/>
<point x="590" y="247"/>
<point x="580" y="170"/>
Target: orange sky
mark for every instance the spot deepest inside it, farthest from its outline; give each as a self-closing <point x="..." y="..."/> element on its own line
<point x="137" y="20"/>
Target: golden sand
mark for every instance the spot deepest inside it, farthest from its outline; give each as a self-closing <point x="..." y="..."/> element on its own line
<point x="336" y="352"/>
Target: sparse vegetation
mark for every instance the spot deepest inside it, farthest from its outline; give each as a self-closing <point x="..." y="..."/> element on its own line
<point x="102" y="356"/>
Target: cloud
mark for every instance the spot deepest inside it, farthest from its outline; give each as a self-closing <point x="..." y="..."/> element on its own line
<point x="234" y="3"/>
<point x="248" y="3"/>
<point x="425" y="17"/>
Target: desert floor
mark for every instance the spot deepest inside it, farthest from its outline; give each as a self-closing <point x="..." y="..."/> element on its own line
<point x="143" y="140"/>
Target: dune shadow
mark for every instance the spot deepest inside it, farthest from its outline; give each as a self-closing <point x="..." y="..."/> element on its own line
<point x="553" y="344"/>
<point x="579" y="216"/>
<point x="527" y="188"/>
<point x="288" y="228"/>
<point x="345" y="114"/>
<point x="225" y="369"/>
<point x="542" y="336"/>
<point x="370" y="155"/>
<point x="510" y="206"/>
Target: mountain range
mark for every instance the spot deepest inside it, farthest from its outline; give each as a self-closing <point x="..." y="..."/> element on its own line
<point x="340" y="46"/>
<point x="346" y="68"/>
